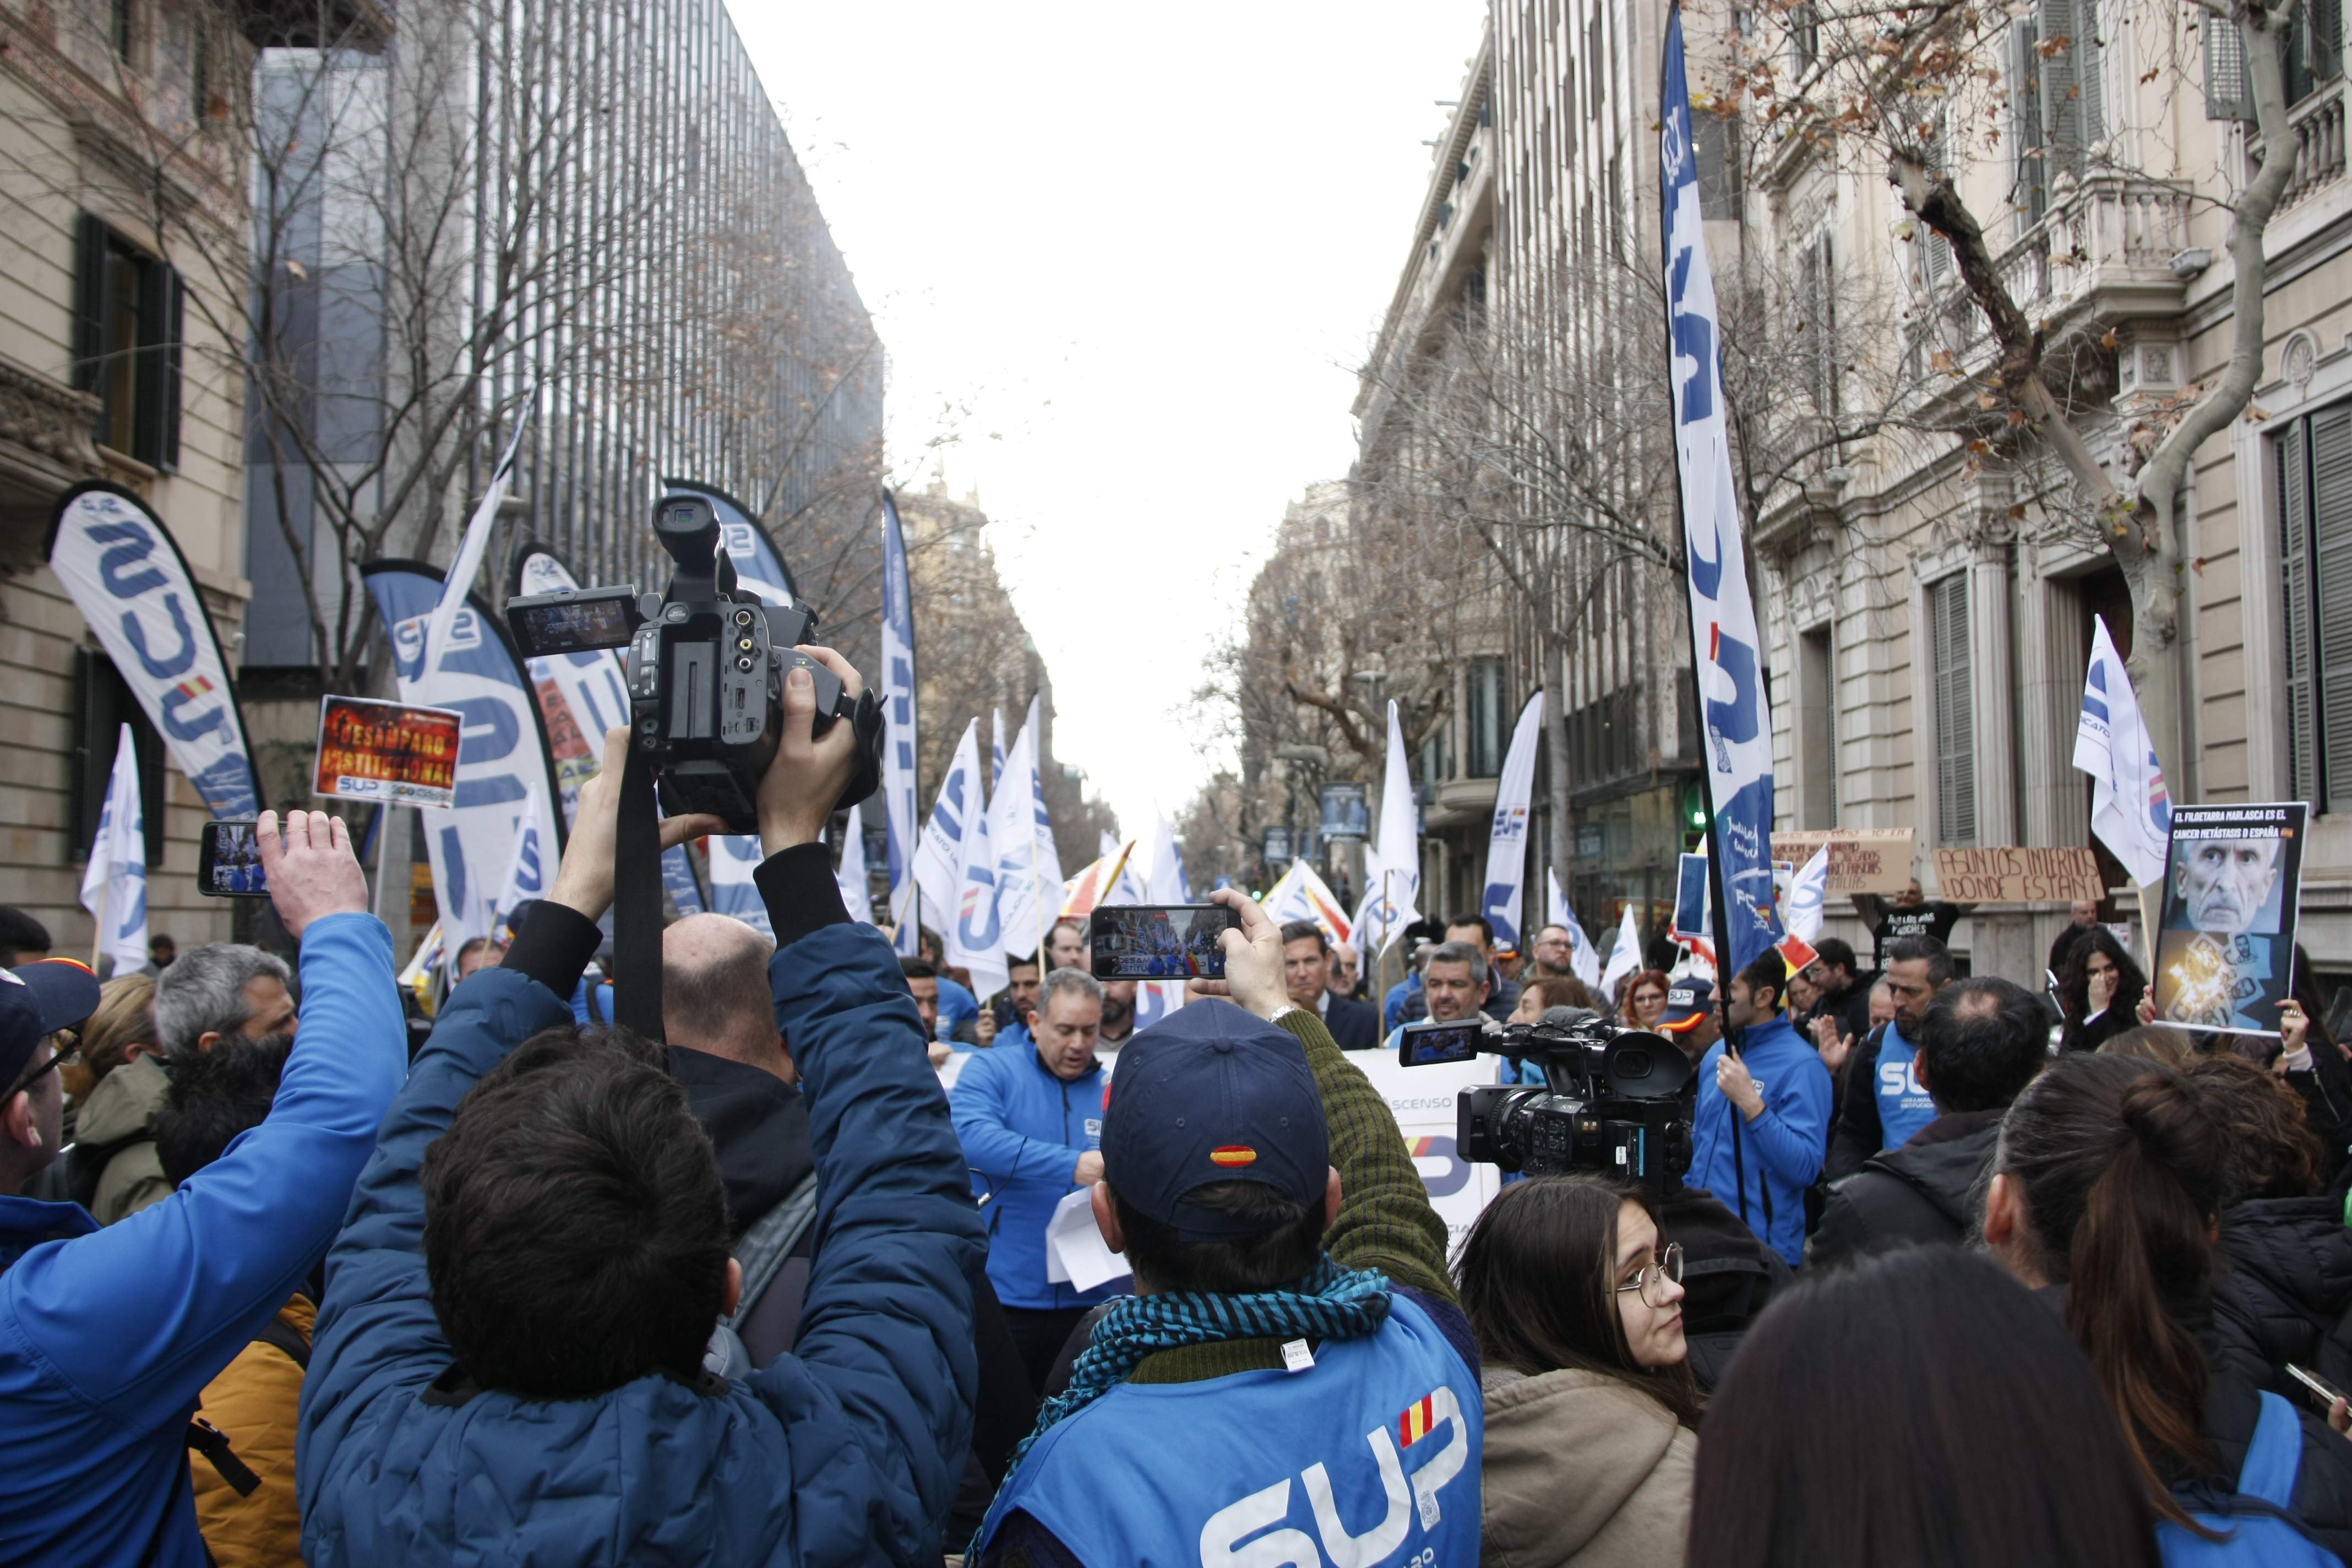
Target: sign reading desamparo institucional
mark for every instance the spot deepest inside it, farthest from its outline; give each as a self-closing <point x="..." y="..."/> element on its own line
<point x="388" y="751"/>
<point x="2225" y="947"/>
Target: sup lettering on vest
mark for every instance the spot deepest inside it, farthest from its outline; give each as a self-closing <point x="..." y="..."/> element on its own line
<point x="1898" y="1078"/>
<point x="1415" y="1458"/>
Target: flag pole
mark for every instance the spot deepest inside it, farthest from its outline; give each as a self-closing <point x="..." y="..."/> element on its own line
<point x="98" y="943"/>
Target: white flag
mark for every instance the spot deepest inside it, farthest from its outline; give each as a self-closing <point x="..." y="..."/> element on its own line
<point x="1109" y="844"/>
<point x="1049" y="857"/>
<point x="1583" y="959"/>
<point x="1507" y="843"/>
<point x="975" y="940"/>
<point x="1392" y="886"/>
<point x="856" y="897"/>
<point x="2130" y="811"/>
<point x="526" y="877"/>
<point x="1624" y="958"/>
<point x="476" y="540"/>
<point x="1301" y="895"/>
<point x="1808" y="897"/>
<point x="996" y="753"/>
<point x="1012" y="827"/>
<point x="114" y="885"/>
<point x="937" y="856"/>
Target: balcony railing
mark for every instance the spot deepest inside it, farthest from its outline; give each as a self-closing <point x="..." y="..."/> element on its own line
<point x="2318" y="125"/>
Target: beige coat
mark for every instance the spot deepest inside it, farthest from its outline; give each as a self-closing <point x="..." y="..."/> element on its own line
<point x="1581" y="1469"/>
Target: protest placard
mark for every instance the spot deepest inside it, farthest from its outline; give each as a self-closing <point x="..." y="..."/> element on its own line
<point x="1862" y="859"/>
<point x="2225" y="946"/>
<point x="2015" y="876"/>
<point x="390" y="752"/>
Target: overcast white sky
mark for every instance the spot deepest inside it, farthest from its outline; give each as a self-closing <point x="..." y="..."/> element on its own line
<point x="1142" y="246"/>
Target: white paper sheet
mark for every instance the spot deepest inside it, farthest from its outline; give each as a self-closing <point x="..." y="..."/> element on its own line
<point x="1075" y="1253"/>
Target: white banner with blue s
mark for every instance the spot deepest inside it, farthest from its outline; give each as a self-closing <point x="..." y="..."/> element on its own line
<point x="1725" y="647"/>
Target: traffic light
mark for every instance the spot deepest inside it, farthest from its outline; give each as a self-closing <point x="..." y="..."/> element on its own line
<point x="1695" y="805"/>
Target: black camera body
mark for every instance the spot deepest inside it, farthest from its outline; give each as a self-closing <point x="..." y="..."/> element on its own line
<point x="705" y="671"/>
<point x="1611" y="1102"/>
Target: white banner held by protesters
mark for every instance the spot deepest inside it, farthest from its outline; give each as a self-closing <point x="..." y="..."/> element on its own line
<point x="2130" y="810"/>
<point x="114" y="884"/>
<point x="899" y="714"/>
<point x="1507" y="844"/>
<point x="938" y="856"/>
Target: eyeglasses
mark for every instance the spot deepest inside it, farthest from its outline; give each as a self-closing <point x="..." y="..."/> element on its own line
<point x="65" y="1047"/>
<point x="1653" y="1278"/>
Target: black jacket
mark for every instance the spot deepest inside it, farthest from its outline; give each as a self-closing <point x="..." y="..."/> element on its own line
<point x="2288" y="1297"/>
<point x="1850" y="1006"/>
<point x="1857" y="1134"/>
<point x="1354" y="1024"/>
<point x="2090" y="1034"/>
<point x="759" y="1128"/>
<point x="1920" y="1195"/>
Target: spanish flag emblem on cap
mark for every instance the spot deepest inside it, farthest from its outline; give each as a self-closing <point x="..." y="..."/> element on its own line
<point x="1234" y="1154"/>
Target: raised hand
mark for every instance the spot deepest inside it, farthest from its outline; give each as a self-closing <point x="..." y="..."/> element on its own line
<point x="309" y="866"/>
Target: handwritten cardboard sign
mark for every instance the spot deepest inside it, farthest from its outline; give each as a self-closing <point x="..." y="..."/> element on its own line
<point x="2012" y="876"/>
<point x="388" y="751"/>
<point x="1862" y="859"/>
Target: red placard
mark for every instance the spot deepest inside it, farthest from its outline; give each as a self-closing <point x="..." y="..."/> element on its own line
<point x="388" y="751"/>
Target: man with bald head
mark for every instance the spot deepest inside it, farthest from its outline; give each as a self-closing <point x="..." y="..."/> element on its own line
<point x="718" y="1012"/>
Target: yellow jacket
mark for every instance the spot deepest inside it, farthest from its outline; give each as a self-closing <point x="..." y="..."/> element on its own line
<point x="253" y="1402"/>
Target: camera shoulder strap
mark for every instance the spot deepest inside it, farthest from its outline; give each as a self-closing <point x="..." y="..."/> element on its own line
<point x="637" y="903"/>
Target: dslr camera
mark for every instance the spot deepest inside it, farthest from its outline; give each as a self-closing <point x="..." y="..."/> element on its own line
<point x="705" y="671"/>
<point x="1611" y="1102"/>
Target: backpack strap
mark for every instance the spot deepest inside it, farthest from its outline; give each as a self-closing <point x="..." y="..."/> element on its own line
<point x="209" y="1440"/>
<point x="282" y="1335"/>
<point x="768" y="1243"/>
<point x="2274" y="1458"/>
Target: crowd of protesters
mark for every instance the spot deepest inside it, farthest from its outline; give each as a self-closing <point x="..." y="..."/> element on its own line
<point x="1959" y="1272"/>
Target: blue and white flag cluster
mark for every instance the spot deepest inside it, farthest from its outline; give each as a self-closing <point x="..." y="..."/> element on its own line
<point x="1735" y="719"/>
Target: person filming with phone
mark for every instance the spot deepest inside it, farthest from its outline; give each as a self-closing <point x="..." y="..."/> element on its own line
<point x="515" y="1356"/>
<point x="107" y="1337"/>
<point x="1293" y="1380"/>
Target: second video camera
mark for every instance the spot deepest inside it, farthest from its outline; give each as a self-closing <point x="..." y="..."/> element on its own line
<point x="706" y="669"/>
<point x="1611" y="1102"/>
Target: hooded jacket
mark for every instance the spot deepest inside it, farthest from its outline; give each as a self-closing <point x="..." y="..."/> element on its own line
<point x="1024" y="1131"/>
<point x="112" y="1167"/>
<point x="846" y="1452"/>
<point x="1583" y="1469"/>
<point x="94" y="1416"/>
<point x="1917" y="1195"/>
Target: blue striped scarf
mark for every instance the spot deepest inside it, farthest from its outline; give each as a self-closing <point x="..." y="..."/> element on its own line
<point x="1332" y="1303"/>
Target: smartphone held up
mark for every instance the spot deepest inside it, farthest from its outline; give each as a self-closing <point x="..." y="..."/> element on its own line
<point x="1160" y="942"/>
<point x="228" y="861"/>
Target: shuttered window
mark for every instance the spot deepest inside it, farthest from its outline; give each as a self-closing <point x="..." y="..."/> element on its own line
<point x="2069" y="76"/>
<point x="1486" y="717"/>
<point x="1815" y="324"/>
<point x="128" y="316"/>
<point x="2316" y="555"/>
<point x="1950" y="679"/>
<point x="2031" y="195"/>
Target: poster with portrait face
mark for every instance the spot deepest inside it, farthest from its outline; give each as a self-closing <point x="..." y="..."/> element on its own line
<point x="2226" y="943"/>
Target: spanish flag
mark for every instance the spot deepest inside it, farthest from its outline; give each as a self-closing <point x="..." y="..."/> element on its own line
<point x="1416" y="1423"/>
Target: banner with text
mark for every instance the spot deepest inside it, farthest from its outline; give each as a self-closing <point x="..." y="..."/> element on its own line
<point x="388" y="752"/>
<point x="2018" y="876"/>
<point x="1862" y="859"/>
<point x="1734" y="709"/>
<point x="2226" y="945"/>
<point x="127" y="578"/>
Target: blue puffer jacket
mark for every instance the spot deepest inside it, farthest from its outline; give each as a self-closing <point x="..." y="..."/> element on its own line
<point x="1022" y="1130"/>
<point x="847" y="1452"/>
<point x="108" y="1336"/>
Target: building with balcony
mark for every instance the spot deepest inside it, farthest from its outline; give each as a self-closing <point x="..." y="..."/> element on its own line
<point x="124" y="177"/>
<point x="1929" y="602"/>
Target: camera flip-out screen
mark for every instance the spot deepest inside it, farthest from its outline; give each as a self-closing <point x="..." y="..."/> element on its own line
<point x="572" y="620"/>
<point x="1430" y="1045"/>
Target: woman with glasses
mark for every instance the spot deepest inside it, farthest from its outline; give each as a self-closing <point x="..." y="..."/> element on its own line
<point x="1592" y="1412"/>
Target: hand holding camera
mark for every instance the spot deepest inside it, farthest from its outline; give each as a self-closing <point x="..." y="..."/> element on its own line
<point x="585" y="879"/>
<point x="810" y="769"/>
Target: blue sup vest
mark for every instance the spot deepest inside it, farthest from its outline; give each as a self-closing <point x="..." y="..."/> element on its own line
<point x="1370" y="1457"/>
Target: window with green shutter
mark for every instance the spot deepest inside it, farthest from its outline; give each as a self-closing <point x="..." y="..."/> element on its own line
<point x="2315" y="560"/>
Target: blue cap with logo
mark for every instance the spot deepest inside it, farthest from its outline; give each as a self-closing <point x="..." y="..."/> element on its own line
<point x="1214" y="1094"/>
<point x="1687" y="1001"/>
<point x="36" y="1001"/>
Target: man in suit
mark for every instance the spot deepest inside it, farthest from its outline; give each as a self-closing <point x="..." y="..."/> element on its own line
<point x="1307" y="975"/>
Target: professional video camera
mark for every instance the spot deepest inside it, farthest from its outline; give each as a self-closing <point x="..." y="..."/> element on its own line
<point x="1610" y="1100"/>
<point x="706" y="669"/>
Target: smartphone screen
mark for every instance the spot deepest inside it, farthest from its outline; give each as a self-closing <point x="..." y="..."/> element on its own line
<point x="1160" y="941"/>
<point x="228" y="862"/>
<point x="1427" y="1045"/>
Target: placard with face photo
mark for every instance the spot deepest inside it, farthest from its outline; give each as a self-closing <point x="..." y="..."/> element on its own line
<point x="2225" y="946"/>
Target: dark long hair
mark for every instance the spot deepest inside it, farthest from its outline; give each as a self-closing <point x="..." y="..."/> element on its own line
<point x="2122" y="1171"/>
<point x="1538" y="1278"/>
<point x="2074" y="984"/>
<point x="1919" y="1407"/>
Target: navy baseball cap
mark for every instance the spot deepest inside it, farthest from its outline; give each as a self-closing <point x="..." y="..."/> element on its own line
<point x="1687" y="1001"/>
<point x="36" y="1002"/>
<point x="1214" y="1094"/>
